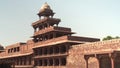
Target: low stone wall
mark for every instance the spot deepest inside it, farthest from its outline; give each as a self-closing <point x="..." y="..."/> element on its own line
<point x="76" y="53"/>
<point x="50" y="67"/>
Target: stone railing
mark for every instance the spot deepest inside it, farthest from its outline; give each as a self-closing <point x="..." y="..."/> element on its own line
<point x="63" y="39"/>
<point x="62" y="29"/>
<point x="53" y="20"/>
<point x="23" y="66"/>
<point x="103" y="46"/>
<point x="54" y="40"/>
<point x="83" y="39"/>
<point x="48" y="29"/>
<point x="39" y="21"/>
<point x="44" y="30"/>
<point x="51" y="55"/>
<point x="51" y="67"/>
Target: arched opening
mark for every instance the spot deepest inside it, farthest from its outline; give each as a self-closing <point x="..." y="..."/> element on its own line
<point x="63" y="61"/>
<point x="51" y="50"/>
<point x="93" y="62"/>
<point x="105" y="62"/>
<point x="63" y="49"/>
<point x="117" y="62"/>
<point x="40" y="51"/>
<point x="45" y="62"/>
<point x="56" y="61"/>
<point x="50" y="62"/>
<point x="40" y="62"/>
<point x="45" y="51"/>
<point x="56" y="49"/>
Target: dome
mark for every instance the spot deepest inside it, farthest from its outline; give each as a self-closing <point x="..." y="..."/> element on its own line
<point x="45" y="7"/>
<point x="45" y="10"/>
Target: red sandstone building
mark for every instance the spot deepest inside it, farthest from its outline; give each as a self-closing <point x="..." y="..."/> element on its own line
<point x="53" y="46"/>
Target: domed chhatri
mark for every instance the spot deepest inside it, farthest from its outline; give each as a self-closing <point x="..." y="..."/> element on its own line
<point x="45" y="11"/>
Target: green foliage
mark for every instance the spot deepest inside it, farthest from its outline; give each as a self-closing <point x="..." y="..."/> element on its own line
<point x="110" y="37"/>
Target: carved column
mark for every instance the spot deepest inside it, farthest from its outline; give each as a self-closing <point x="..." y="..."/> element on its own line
<point x="86" y="59"/>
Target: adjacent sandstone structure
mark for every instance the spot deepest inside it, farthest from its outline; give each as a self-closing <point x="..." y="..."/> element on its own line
<point x="104" y="54"/>
<point x="48" y="48"/>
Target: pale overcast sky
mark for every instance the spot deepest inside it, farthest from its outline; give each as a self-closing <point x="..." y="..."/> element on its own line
<point x="89" y="18"/>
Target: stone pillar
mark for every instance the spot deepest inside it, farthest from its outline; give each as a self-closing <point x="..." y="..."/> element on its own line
<point x="53" y="50"/>
<point x="48" y="25"/>
<point x="32" y="61"/>
<point x="18" y="61"/>
<point x="112" y="62"/>
<point x="112" y="57"/>
<point x="60" y="62"/>
<point x="48" y="35"/>
<point x="34" y="29"/>
<point x="86" y="59"/>
<point x="13" y="65"/>
<point x="42" y="62"/>
<point x="43" y="38"/>
<point x="21" y="61"/>
<point x="66" y="48"/>
<point x="48" y="52"/>
<point x="53" y="62"/>
<point x="27" y="60"/>
<point x="42" y="51"/>
<point x="42" y="26"/>
<point x="54" y="35"/>
<point x="48" y="63"/>
<point x="59" y="49"/>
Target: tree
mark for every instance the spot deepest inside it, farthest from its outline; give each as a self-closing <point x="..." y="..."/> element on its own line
<point x="110" y="37"/>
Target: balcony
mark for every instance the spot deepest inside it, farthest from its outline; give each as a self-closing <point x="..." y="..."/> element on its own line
<point x="49" y="29"/>
<point x="51" y="41"/>
<point x="48" y="20"/>
<point x="65" y="39"/>
<point x="51" y="67"/>
<point x="23" y="66"/>
<point x="51" y="55"/>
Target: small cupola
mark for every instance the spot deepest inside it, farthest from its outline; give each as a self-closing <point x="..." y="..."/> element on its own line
<point x="45" y="11"/>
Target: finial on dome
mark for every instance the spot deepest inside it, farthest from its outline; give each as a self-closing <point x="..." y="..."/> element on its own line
<point x="45" y="10"/>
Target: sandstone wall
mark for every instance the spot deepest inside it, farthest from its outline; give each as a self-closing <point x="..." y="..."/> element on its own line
<point x="76" y="53"/>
